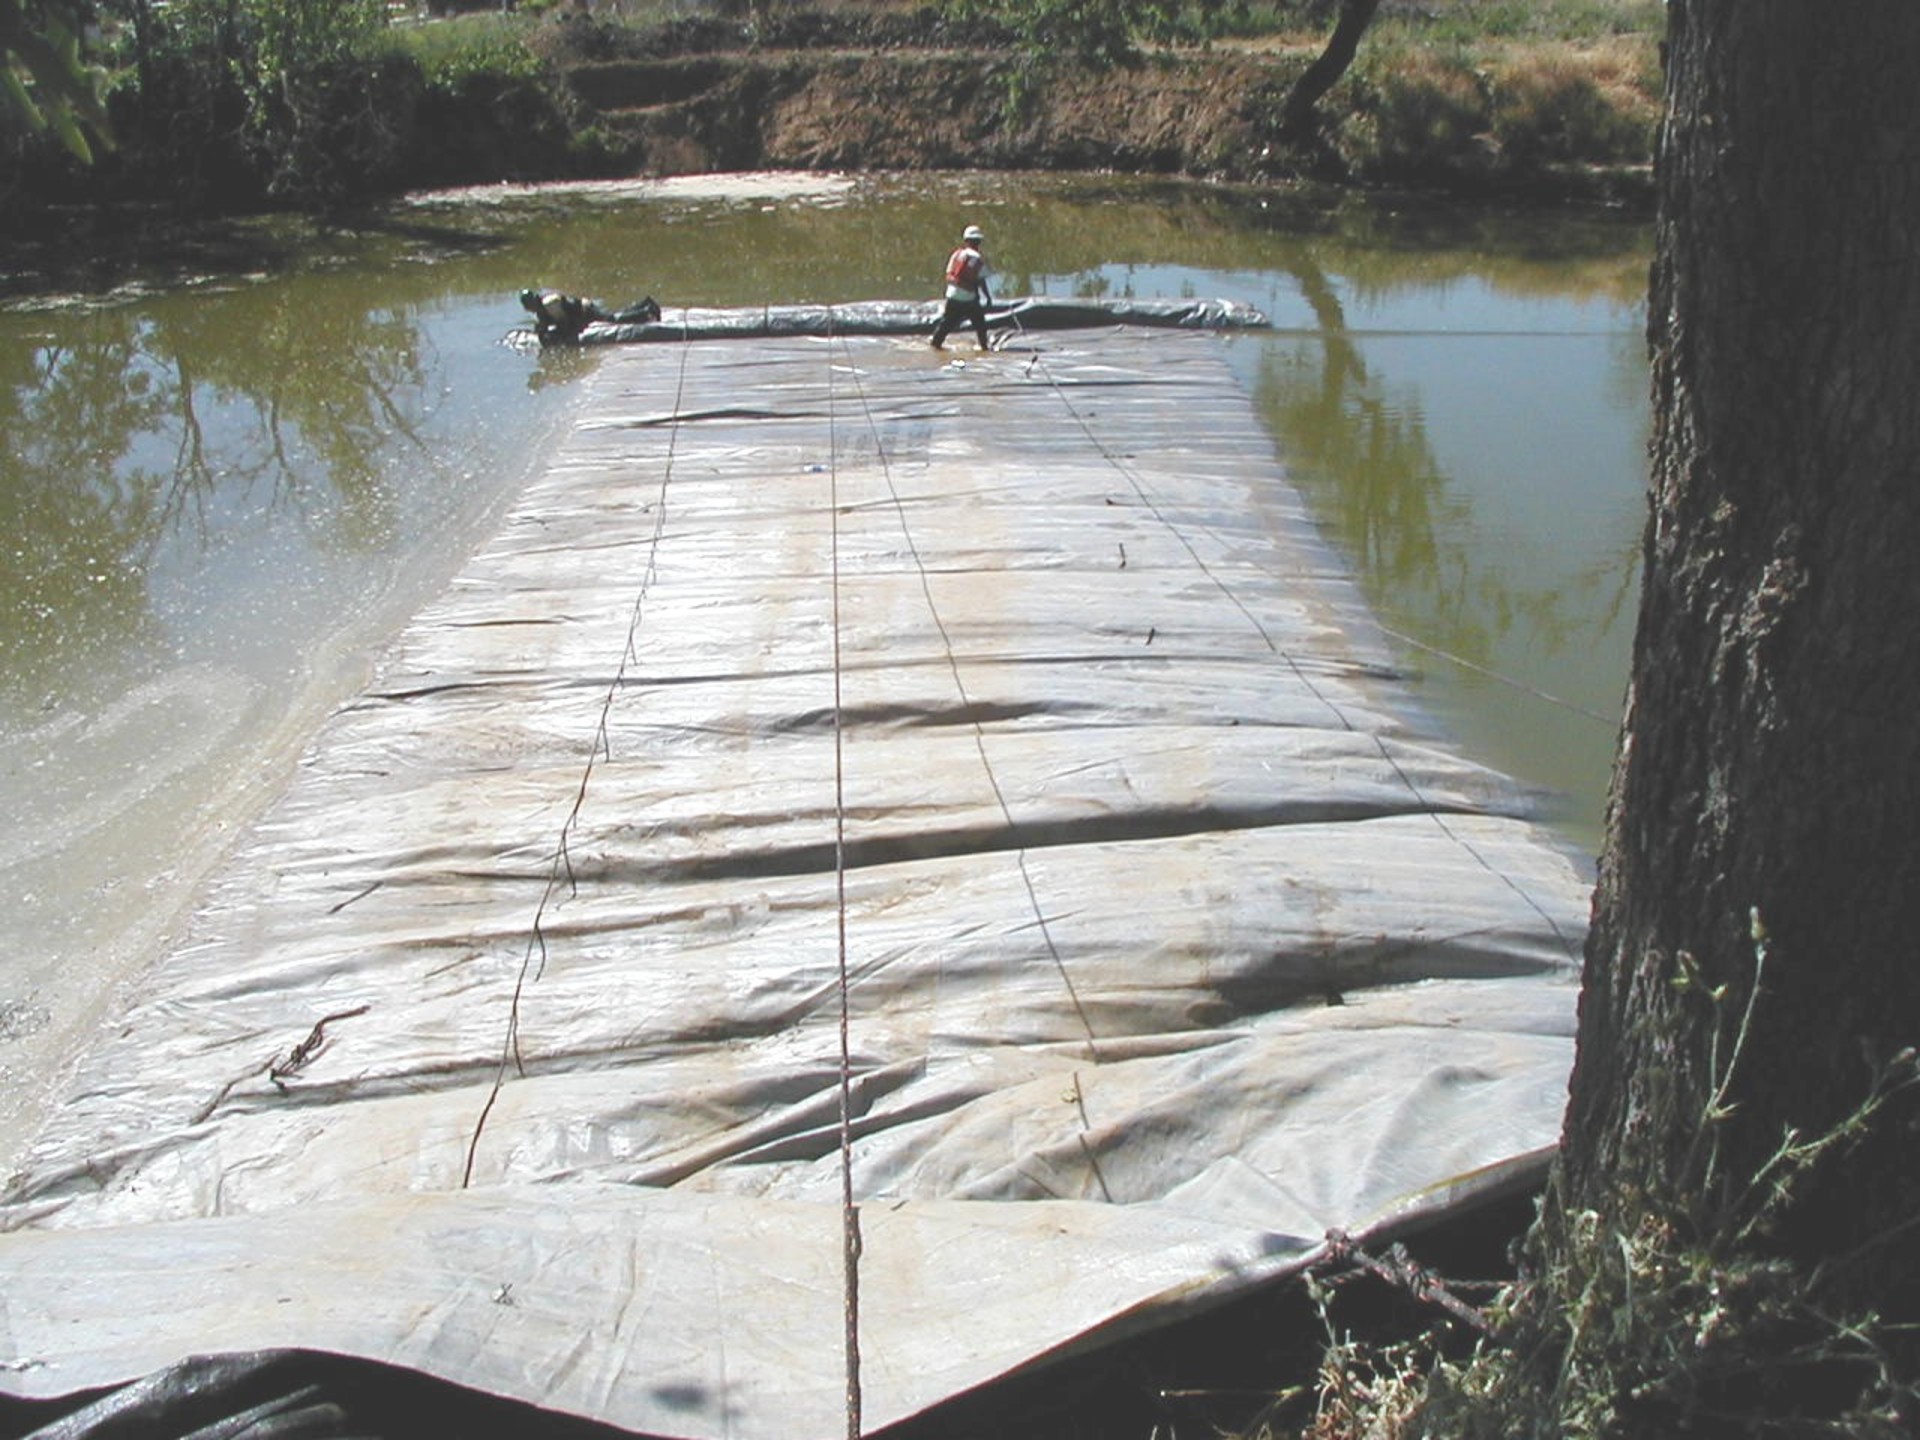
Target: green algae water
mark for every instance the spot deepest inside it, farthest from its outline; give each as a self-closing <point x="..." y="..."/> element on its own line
<point x="223" y="492"/>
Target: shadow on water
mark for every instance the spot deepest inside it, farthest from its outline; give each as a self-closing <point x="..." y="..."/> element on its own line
<point x="86" y="253"/>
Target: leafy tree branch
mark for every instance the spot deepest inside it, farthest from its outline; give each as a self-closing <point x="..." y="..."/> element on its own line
<point x="47" y="82"/>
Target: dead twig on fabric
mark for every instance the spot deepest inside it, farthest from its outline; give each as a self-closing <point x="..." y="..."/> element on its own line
<point x="279" y="1068"/>
<point x="279" y="1071"/>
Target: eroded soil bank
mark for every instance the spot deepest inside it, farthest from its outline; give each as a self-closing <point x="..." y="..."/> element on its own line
<point x="1575" y="123"/>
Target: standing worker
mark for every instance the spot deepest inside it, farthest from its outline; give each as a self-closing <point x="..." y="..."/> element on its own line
<point x="967" y="297"/>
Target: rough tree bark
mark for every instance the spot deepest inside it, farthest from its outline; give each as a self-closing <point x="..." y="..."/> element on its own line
<point x="1770" y="760"/>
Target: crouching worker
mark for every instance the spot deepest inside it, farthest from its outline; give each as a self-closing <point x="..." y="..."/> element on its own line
<point x="558" y="318"/>
<point x="967" y="297"/>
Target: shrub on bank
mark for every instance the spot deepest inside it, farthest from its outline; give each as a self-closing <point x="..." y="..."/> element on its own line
<point x="1509" y="116"/>
<point x="1416" y="113"/>
<point x="1571" y="108"/>
<point x="218" y="108"/>
<point x="453" y="51"/>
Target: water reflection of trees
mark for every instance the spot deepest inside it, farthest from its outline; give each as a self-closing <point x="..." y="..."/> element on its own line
<point x="138" y="432"/>
<point x="314" y="393"/>
<point x="78" y="512"/>
<point x="1362" y="454"/>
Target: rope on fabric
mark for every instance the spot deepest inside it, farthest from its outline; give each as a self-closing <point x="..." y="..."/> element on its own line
<point x="993" y="784"/>
<point x="562" y="863"/>
<point x="1426" y="806"/>
<point x="1611" y="722"/>
<point x="1037" y="910"/>
<point x="979" y="731"/>
<point x="849" y="1212"/>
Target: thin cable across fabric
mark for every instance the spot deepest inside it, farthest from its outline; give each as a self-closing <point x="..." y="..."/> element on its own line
<point x="1141" y="488"/>
<point x="562" y="860"/>
<point x="849" y="1210"/>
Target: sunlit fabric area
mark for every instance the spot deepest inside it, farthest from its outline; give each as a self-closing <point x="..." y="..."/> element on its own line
<point x="961" y="783"/>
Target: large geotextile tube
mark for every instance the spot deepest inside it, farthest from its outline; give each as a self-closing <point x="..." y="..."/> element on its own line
<point x="912" y="317"/>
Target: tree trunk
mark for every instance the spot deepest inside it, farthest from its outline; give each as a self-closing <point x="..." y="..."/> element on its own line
<point x="1296" y="115"/>
<point x="1768" y="781"/>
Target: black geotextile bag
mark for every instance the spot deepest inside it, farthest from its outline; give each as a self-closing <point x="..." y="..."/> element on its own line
<point x="286" y="1395"/>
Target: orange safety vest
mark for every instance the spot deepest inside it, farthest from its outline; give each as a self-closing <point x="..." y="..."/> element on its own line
<point x="964" y="267"/>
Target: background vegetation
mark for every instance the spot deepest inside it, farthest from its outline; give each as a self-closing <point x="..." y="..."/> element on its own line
<point x="219" y="105"/>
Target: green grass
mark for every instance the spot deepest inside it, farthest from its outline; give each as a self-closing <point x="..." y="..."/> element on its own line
<point x="1456" y="22"/>
<point x="452" y="50"/>
<point x="1465" y="21"/>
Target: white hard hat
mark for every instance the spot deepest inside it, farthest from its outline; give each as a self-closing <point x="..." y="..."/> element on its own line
<point x="972" y="232"/>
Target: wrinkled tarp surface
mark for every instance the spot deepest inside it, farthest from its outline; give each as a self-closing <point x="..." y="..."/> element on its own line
<point x="913" y="317"/>
<point x="505" y="1047"/>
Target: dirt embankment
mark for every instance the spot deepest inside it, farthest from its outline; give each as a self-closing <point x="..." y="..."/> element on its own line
<point x="926" y="110"/>
<point x="693" y="100"/>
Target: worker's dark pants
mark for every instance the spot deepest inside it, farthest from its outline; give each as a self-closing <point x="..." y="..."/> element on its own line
<point x="957" y="312"/>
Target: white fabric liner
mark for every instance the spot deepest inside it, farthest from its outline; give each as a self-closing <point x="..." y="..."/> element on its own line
<point x="1176" y="936"/>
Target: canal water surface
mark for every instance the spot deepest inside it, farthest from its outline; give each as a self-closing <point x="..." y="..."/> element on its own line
<point x="222" y="492"/>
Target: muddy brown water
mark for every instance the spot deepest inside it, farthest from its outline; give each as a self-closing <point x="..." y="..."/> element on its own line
<point x="222" y="493"/>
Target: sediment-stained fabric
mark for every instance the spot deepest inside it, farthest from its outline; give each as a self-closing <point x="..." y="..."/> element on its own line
<point x="506" y="1045"/>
